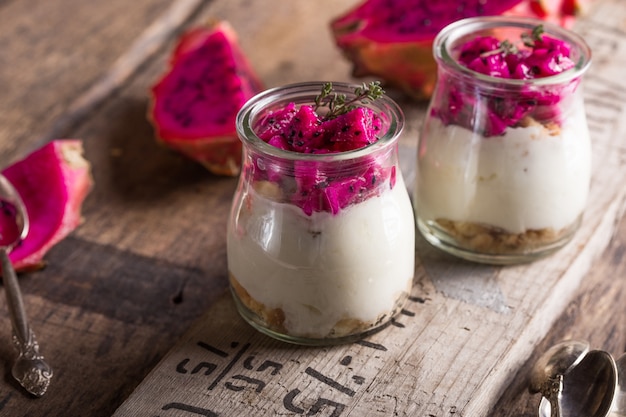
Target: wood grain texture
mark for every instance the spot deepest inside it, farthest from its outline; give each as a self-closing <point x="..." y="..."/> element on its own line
<point x="52" y="52"/>
<point x="103" y="316"/>
<point x="457" y="346"/>
<point x="597" y="314"/>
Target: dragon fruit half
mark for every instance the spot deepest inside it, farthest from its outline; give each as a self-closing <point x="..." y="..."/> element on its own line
<point x="53" y="182"/>
<point x="195" y="103"/>
<point x="393" y="39"/>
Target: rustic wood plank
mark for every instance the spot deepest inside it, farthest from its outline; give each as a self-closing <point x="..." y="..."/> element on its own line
<point x="454" y="349"/>
<point x="597" y="314"/>
<point x="151" y="255"/>
<point x="142" y="49"/>
<point x="52" y="51"/>
<point x="103" y="316"/>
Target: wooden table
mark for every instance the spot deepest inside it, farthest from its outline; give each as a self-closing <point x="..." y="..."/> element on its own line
<point x="150" y="258"/>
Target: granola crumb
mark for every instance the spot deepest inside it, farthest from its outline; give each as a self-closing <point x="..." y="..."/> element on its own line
<point x="489" y="239"/>
<point x="274" y="319"/>
<point x="552" y="128"/>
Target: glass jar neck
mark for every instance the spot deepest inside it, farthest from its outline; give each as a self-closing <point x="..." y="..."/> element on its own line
<point x="304" y="94"/>
<point x="448" y="42"/>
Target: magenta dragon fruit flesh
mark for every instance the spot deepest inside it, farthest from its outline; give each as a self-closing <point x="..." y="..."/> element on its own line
<point x="392" y="39"/>
<point x="302" y="129"/>
<point x="195" y="103"/>
<point x="538" y="56"/>
<point x="9" y="231"/>
<point x="53" y="182"/>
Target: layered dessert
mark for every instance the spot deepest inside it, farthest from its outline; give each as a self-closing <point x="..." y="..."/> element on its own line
<point x="505" y="168"/>
<point x="321" y="248"/>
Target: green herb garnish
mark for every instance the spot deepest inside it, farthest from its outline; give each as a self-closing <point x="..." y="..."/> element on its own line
<point x="505" y="47"/>
<point x="339" y="104"/>
<point x="535" y="36"/>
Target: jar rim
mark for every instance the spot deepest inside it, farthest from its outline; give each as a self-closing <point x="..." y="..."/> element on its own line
<point x="448" y="36"/>
<point x="304" y="93"/>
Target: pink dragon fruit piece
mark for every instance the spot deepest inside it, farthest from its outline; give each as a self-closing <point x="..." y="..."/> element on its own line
<point x="301" y="129"/>
<point x="353" y="130"/>
<point x="316" y="192"/>
<point x="393" y="39"/>
<point x="544" y="56"/>
<point x="53" y="182"/>
<point x="274" y="123"/>
<point x="195" y="103"/>
<point x="293" y="129"/>
<point x="9" y="230"/>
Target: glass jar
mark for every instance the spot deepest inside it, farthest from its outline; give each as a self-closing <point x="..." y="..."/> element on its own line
<point x="504" y="165"/>
<point x="321" y="247"/>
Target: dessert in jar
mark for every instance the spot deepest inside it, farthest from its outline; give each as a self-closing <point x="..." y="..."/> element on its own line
<point x="321" y="235"/>
<point x="504" y="157"/>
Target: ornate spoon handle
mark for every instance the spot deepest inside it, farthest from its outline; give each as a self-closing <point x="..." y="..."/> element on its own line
<point x="552" y="391"/>
<point x="30" y="368"/>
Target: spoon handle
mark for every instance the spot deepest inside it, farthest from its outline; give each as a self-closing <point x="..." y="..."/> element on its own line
<point x="30" y="369"/>
<point x="553" y="391"/>
<point x="14" y="299"/>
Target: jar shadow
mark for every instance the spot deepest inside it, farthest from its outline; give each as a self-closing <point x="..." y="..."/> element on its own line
<point x="456" y="278"/>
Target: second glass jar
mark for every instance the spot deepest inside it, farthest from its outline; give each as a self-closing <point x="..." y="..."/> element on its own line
<point x="504" y="165"/>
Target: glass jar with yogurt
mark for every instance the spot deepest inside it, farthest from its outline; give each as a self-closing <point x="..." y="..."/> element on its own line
<point x="504" y="157"/>
<point x="320" y="245"/>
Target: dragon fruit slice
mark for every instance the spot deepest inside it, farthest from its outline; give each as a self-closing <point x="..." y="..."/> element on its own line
<point x="302" y="129"/>
<point x="540" y="55"/>
<point x="393" y="39"/>
<point x="53" y="182"/>
<point x="195" y="103"/>
<point x="9" y="230"/>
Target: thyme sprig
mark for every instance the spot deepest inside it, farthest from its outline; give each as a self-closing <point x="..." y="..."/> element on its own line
<point x="507" y="47"/>
<point x="535" y="36"/>
<point x="339" y="104"/>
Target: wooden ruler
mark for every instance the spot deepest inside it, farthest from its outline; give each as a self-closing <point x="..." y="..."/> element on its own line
<point x="466" y="330"/>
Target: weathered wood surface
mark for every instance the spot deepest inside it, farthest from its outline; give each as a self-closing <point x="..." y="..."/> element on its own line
<point x="467" y="330"/>
<point x="150" y="258"/>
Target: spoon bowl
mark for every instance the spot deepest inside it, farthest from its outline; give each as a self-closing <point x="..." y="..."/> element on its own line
<point x="30" y="368"/>
<point x="619" y="403"/>
<point x="589" y="387"/>
<point x="547" y="374"/>
<point x="575" y="382"/>
<point x="556" y="361"/>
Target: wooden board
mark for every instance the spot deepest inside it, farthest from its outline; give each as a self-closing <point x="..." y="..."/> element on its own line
<point x="466" y="330"/>
<point x="55" y="51"/>
<point x="150" y="257"/>
<point x="103" y="317"/>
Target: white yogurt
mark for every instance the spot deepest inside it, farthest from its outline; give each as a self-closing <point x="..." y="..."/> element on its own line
<point x="322" y="269"/>
<point x="527" y="179"/>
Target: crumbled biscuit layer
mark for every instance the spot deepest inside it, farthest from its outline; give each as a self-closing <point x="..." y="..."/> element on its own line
<point x="489" y="239"/>
<point x="552" y="127"/>
<point x="274" y="319"/>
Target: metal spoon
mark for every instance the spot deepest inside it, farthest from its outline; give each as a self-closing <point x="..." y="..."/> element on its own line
<point x="588" y="384"/>
<point x="589" y="387"/>
<point x="547" y="375"/>
<point x="619" y="403"/>
<point x="30" y="368"/>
